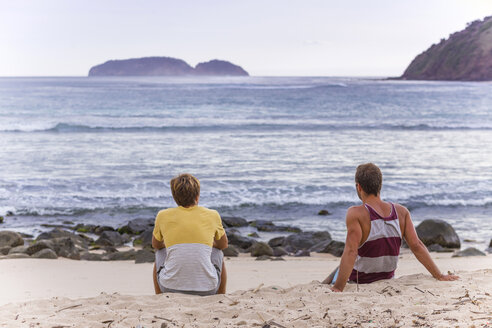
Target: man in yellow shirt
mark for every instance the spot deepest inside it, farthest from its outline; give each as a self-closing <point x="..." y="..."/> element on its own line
<point x="189" y="240"/>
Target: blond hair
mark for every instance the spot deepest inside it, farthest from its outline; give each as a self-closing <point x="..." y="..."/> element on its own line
<point x="185" y="189"/>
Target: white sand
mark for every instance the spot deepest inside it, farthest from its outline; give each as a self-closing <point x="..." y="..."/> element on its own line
<point x="39" y="290"/>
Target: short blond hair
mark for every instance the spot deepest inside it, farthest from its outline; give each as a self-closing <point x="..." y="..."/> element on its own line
<point x="185" y="189"/>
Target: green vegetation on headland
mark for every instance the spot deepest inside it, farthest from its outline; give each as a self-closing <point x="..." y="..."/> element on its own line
<point x="465" y="56"/>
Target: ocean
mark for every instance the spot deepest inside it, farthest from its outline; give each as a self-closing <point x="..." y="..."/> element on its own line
<point x="102" y="150"/>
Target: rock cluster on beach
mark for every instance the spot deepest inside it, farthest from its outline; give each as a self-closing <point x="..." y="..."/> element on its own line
<point x="165" y="66"/>
<point x="133" y="241"/>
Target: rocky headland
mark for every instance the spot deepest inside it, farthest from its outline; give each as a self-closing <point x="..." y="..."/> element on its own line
<point x="165" y="66"/>
<point x="465" y="56"/>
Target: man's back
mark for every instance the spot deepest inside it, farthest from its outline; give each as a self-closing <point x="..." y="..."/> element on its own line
<point x="377" y="255"/>
<point x="188" y="234"/>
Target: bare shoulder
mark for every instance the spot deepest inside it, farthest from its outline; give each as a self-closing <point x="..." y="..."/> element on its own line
<point x="356" y="212"/>
<point x="401" y="210"/>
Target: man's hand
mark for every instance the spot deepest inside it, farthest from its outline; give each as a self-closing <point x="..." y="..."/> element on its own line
<point x="448" y="277"/>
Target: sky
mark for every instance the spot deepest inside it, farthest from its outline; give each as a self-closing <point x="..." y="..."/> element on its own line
<point x="265" y="37"/>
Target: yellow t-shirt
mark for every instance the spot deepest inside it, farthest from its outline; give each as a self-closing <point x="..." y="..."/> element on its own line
<point x="188" y="225"/>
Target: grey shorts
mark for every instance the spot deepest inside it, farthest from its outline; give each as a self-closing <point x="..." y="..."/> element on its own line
<point x="217" y="258"/>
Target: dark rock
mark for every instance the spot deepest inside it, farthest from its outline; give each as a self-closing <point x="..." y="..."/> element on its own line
<point x="439" y="249"/>
<point x="324" y="212"/>
<point x="122" y="256"/>
<point x="438" y="232"/>
<point x="231" y="230"/>
<point x="18" y="249"/>
<point x="232" y="221"/>
<point x="253" y="235"/>
<point x="240" y="241"/>
<point x="85" y="228"/>
<point x="9" y="213"/>
<point x="144" y="239"/>
<point x="261" y="248"/>
<point x="302" y="253"/>
<point x="219" y="68"/>
<point x="305" y="240"/>
<point x="332" y="247"/>
<point x="25" y="235"/>
<point x="489" y="250"/>
<point x="38" y="246"/>
<point x="110" y="249"/>
<point x="145" y="256"/>
<point x="18" y="256"/>
<point x="4" y="250"/>
<point x="46" y="253"/>
<point x="68" y="222"/>
<point x="1" y="219"/>
<point x="230" y="251"/>
<point x="269" y="226"/>
<point x="100" y="229"/>
<point x="276" y="242"/>
<point x="66" y="247"/>
<point x="263" y="258"/>
<point x="60" y="233"/>
<point x="136" y="226"/>
<point x="470" y="251"/>
<point x="10" y="238"/>
<point x="87" y="256"/>
<point x="490" y="244"/>
<point x="110" y="238"/>
<point x="279" y="251"/>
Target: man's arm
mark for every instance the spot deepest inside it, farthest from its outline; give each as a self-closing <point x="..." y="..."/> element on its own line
<point x="222" y="243"/>
<point x="156" y="244"/>
<point x="354" y="236"/>
<point x="421" y="253"/>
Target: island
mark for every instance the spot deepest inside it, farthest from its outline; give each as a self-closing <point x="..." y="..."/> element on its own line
<point x="165" y="66"/>
<point x="465" y="56"/>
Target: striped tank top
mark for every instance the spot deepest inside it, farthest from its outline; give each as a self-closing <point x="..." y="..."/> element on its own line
<point x="378" y="256"/>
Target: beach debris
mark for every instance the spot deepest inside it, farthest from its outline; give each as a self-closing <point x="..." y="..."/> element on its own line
<point x="69" y="308"/>
<point x="324" y="212"/>
<point x="420" y="290"/>
<point x="389" y="290"/>
<point x="233" y="302"/>
<point x="303" y="317"/>
<point x="109" y="322"/>
<point x="258" y="288"/>
<point x="271" y="323"/>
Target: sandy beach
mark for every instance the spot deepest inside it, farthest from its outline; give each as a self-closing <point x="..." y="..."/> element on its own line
<point x="66" y="293"/>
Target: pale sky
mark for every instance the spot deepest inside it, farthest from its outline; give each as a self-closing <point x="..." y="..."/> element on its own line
<point x="265" y="37"/>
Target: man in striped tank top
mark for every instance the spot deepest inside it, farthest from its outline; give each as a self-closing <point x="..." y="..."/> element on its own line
<point x="374" y="233"/>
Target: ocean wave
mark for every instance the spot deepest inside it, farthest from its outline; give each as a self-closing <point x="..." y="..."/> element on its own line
<point x="267" y="207"/>
<point x="77" y="128"/>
